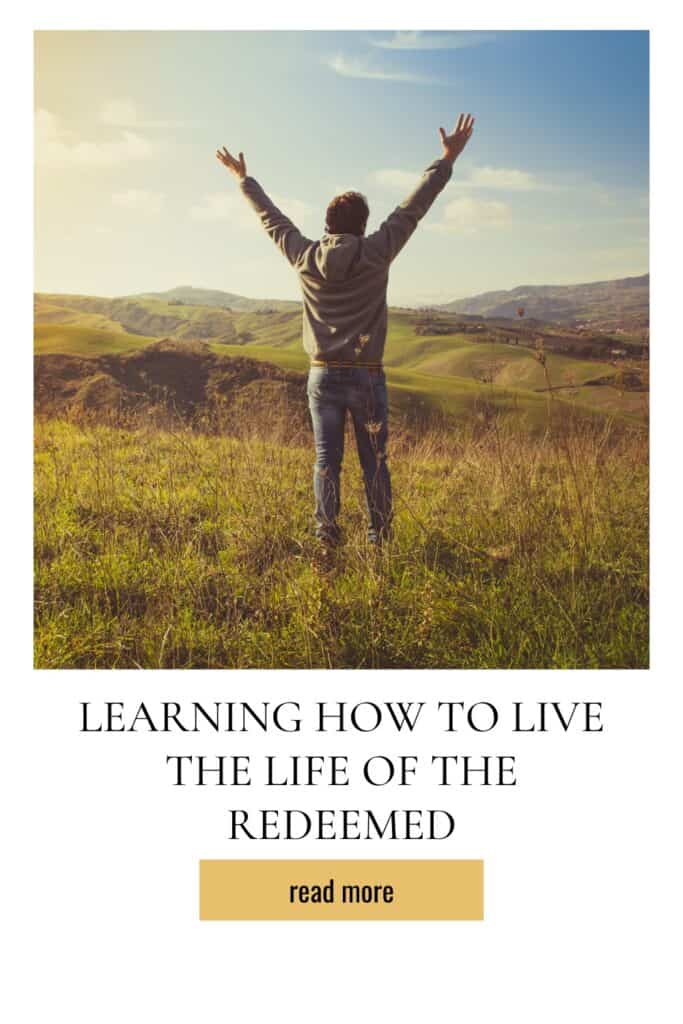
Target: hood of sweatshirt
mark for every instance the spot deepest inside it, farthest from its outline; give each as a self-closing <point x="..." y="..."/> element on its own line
<point x="337" y="255"/>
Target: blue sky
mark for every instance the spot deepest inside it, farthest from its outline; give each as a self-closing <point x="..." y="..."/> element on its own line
<point x="552" y="188"/>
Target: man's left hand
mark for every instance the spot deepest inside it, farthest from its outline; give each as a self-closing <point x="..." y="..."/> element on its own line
<point x="238" y="167"/>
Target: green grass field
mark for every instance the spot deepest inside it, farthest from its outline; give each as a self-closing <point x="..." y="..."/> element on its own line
<point x="520" y="539"/>
<point x="166" y="548"/>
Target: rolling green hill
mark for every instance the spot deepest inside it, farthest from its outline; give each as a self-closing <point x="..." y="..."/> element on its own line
<point x="456" y="371"/>
<point x="84" y="341"/>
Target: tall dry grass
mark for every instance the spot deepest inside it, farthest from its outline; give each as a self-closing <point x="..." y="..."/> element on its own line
<point x="158" y="545"/>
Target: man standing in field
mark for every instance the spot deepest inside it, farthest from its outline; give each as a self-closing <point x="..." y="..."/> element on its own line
<point x="343" y="279"/>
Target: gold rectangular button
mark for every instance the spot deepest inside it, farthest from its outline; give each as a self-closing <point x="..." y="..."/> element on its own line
<point x="341" y="890"/>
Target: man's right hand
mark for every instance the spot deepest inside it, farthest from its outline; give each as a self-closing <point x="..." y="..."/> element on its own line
<point x="454" y="144"/>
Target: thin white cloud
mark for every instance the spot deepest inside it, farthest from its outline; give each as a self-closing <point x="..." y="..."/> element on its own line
<point x="56" y="146"/>
<point x="296" y="209"/>
<point x="504" y="179"/>
<point x="467" y="215"/>
<point x="223" y="206"/>
<point x="508" y="179"/>
<point x="433" y="40"/>
<point x="392" y="178"/>
<point x="350" y="68"/>
<point x="123" y="113"/>
<point x="139" y="200"/>
<point x="587" y="188"/>
<point x="233" y="207"/>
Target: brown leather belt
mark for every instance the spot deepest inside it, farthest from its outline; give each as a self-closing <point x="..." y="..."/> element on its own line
<point x="371" y="367"/>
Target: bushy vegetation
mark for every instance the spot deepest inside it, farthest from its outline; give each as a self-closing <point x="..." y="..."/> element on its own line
<point x="158" y="546"/>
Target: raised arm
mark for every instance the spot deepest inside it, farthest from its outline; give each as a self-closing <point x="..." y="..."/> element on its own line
<point x="393" y="234"/>
<point x="284" y="233"/>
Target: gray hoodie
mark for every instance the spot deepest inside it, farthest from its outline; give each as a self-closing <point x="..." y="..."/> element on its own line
<point x="344" y="277"/>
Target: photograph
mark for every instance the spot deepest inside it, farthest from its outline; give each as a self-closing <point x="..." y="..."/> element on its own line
<point x="341" y="349"/>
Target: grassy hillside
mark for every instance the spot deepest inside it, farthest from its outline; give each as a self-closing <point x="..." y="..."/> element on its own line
<point x="445" y="370"/>
<point x="167" y="381"/>
<point x="625" y="298"/>
<point x="84" y="341"/>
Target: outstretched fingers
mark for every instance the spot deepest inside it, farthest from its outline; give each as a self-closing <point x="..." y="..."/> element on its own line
<point x="464" y="125"/>
<point x="226" y="158"/>
<point x="237" y="166"/>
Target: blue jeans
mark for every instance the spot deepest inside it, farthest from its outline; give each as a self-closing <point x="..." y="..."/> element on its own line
<point x="332" y="390"/>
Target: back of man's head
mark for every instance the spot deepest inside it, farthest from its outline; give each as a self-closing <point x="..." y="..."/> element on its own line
<point x="347" y="214"/>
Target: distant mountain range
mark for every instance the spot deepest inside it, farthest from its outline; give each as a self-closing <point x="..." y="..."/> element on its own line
<point x="600" y="303"/>
<point x="626" y="299"/>
<point x="188" y="296"/>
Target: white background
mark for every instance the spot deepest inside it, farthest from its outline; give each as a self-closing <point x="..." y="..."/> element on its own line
<point x="100" y="872"/>
<point x="578" y="863"/>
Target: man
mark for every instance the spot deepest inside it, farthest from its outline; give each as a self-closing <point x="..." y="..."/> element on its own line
<point x="343" y="279"/>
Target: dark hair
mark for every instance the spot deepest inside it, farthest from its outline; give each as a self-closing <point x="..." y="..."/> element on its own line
<point x="347" y="214"/>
